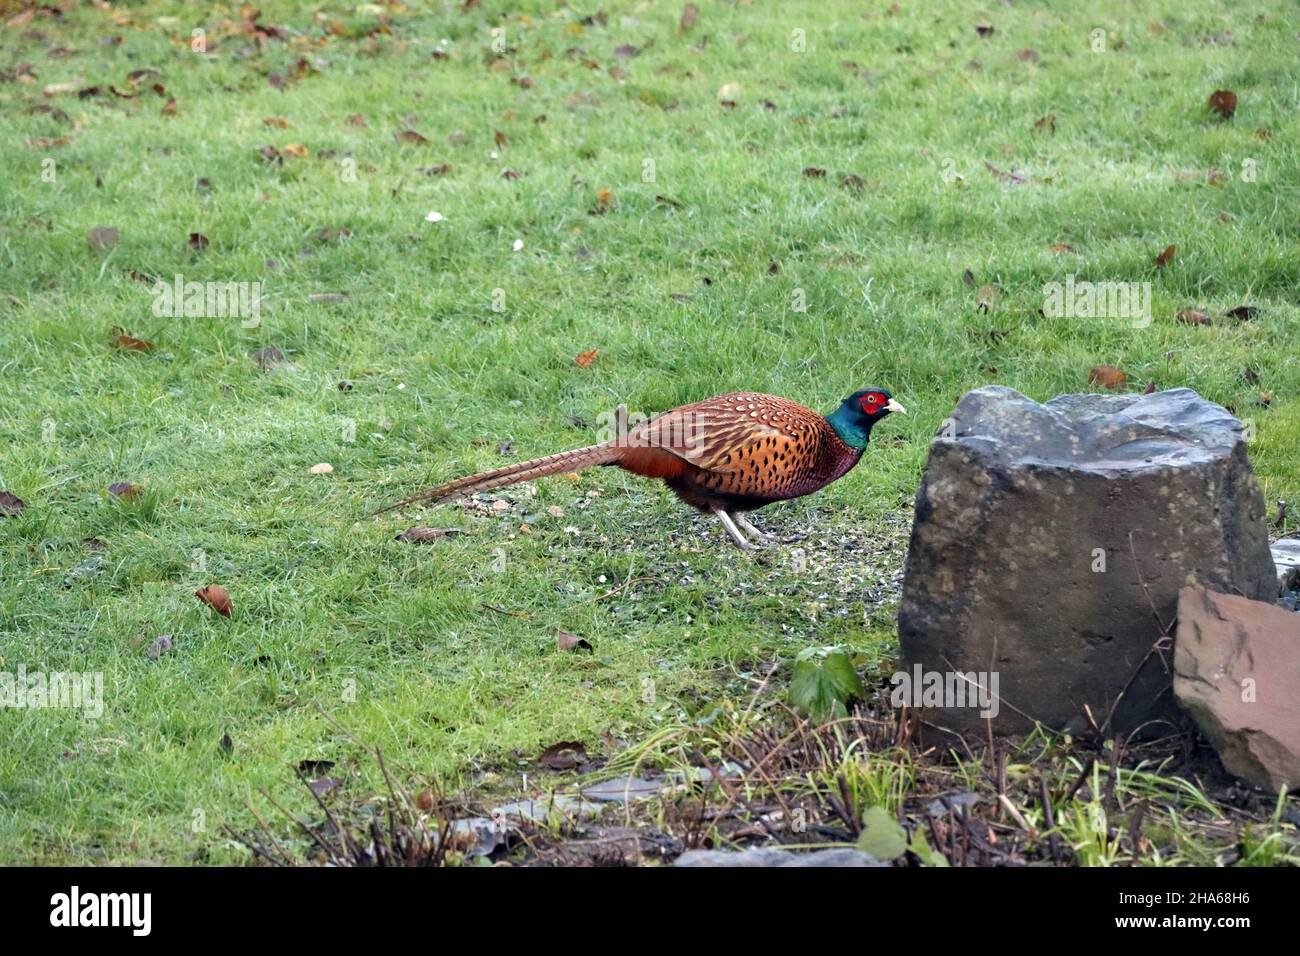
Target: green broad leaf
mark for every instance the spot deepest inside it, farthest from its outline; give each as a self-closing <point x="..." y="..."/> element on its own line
<point x="882" y="836"/>
<point x="823" y="683"/>
<point x="924" y="852"/>
<point x="843" y="677"/>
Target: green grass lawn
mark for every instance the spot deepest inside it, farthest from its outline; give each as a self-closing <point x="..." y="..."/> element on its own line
<point x="686" y="239"/>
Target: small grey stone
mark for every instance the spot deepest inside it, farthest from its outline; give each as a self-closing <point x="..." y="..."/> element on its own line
<point x="160" y="646"/>
<point x="564" y="807"/>
<point x="961" y="803"/>
<point x="1286" y="558"/>
<point x="624" y="790"/>
<point x="769" y="857"/>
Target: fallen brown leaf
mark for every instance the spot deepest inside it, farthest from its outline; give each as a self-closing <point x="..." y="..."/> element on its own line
<point x="1224" y="102"/>
<point x="587" y="357"/>
<point x="1107" y="375"/>
<point x="1003" y="175"/>
<point x="131" y="343"/>
<point x="268" y="358"/>
<point x="853" y="183"/>
<point x="1166" y="257"/>
<point x="564" y="755"/>
<point x="568" y="642"/>
<point x="690" y="16"/>
<point x="45" y="142"/>
<point x="419" y="534"/>
<point x="332" y="234"/>
<point x="198" y="241"/>
<point x="103" y="238"/>
<point x="215" y="597"/>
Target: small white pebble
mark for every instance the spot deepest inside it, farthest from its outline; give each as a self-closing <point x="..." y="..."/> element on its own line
<point x="434" y="216"/>
<point x="401" y="385"/>
<point x="518" y="246"/>
<point x="324" y="468"/>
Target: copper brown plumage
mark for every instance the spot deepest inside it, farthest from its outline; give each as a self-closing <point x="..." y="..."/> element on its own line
<point x="726" y="455"/>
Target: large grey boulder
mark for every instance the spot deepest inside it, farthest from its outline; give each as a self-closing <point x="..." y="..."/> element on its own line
<point x="1237" y="672"/>
<point x="1050" y="542"/>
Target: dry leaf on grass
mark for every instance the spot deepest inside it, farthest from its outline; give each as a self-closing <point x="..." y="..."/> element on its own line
<point x="268" y="358"/>
<point x="690" y="16"/>
<point x="132" y="344"/>
<point x="569" y="642"/>
<point x="103" y="238"/>
<point x="215" y="597"/>
<point x="565" y="755"/>
<point x="419" y="534"/>
<point x="1166" y="257"/>
<point x="587" y="357"/>
<point x="1224" y="102"/>
<point x="1107" y="375"/>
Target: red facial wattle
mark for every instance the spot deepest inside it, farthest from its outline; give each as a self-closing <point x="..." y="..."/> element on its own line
<point x="873" y="403"/>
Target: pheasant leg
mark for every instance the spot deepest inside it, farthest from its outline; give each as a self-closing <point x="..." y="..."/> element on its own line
<point x="765" y="535"/>
<point x="753" y="532"/>
<point x="727" y="522"/>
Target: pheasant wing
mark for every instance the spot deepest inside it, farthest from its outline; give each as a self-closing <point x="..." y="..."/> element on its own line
<point x="739" y="437"/>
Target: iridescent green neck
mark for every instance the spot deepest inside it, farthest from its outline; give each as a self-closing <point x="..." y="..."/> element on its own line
<point x="851" y="428"/>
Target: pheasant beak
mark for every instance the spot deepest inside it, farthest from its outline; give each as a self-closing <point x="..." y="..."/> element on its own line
<point x="893" y="406"/>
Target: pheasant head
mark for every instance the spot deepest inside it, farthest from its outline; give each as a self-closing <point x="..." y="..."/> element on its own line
<point x="858" y="413"/>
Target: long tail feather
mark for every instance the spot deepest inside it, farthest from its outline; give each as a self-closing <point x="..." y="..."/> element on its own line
<point x="574" y="460"/>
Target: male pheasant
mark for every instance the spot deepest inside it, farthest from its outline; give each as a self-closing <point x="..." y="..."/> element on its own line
<point x="725" y="455"/>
